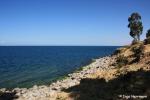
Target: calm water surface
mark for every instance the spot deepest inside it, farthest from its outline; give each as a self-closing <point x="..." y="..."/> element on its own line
<point x="25" y="66"/>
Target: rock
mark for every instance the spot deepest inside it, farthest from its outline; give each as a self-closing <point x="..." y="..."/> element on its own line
<point x="16" y="90"/>
<point x="23" y="90"/>
<point x="18" y="94"/>
<point x="73" y="78"/>
<point x="42" y="86"/>
<point x="3" y="90"/>
<point x="35" y="87"/>
<point x="23" y="95"/>
<point x="53" y="93"/>
<point x="56" y="88"/>
<point x="35" y="94"/>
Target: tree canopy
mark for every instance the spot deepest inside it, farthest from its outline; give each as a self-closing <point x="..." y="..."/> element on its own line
<point x="135" y="25"/>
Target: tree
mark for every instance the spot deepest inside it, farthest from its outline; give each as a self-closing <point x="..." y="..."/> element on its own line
<point x="148" y="34"/>
<point x="147" y="40"/>
<point x="135" y="25"/>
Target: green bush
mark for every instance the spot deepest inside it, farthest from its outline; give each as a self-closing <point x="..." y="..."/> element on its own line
<point x="121" y="61"/>
<point x="148" y="34"/>
<point x="147" y="41"/>
<point x="138" y="52"/>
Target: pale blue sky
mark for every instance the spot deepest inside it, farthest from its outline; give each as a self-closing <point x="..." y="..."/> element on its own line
<point x="69" y="22"/>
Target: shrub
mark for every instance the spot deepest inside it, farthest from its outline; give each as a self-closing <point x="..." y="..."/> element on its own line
<point x="148" y="34"/>
<point x="122" y="61"/>
<point x="147" y="41"/>
<point x="138" y="52"/>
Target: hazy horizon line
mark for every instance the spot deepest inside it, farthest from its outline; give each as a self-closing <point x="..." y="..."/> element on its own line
<point x="61" y="45"/>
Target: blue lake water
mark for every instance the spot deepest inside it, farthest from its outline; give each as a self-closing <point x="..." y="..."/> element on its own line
<point x="25" y="66"/>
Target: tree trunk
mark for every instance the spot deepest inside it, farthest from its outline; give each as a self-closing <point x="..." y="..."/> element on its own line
<point x="138" y="37"/>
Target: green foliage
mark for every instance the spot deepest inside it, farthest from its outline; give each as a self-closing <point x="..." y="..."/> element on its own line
<point x="138" y="52"/>
<point x="147" y="41"/>
<point x="121" y="61"/>
<point x="135" y="25"/>
<point x="148" y="34"/>
<point x="79" y="69"/>
<point x="117" y="51"/>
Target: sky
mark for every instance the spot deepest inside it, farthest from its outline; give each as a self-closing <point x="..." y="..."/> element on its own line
<point x="69" y="22"/>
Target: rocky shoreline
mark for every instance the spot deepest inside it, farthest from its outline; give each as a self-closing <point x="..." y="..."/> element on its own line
<point x="51" y="92"/>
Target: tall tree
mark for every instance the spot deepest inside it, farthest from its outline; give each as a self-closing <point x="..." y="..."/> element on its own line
<point x="135" y="25"/>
